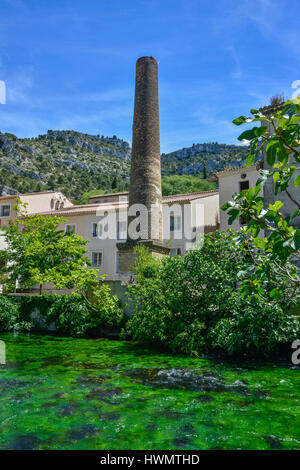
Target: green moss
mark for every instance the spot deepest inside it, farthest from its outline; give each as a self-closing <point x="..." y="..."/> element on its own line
<point x="64" y="393"/>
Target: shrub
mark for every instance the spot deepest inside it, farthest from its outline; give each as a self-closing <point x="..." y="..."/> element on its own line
<point x="74" y="315"/>
<point x="177" y="300"/>
<point x="71" y="314"/>
<point x="107" y="307"/>
<point x="255" y="328"/>
<point x="10" y="317"/>
<point x="8" y="313"/>
<point x="151" y="320"/>
<point x="191" y="304"/>
<point x="154" y="321"/>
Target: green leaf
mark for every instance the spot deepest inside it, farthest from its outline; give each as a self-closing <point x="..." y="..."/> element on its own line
<point x="249" y="134"/>
<point x="276" y="206"/>
<point x="260" y="243"/>
<point x="250" y="159"/>
<point x="271" y="152"/>
<point x="297" y="181"/>
<point x="240" y="120"/>
<point x="259" y="131"/>
<point x="297" y="239"/>
<point x="234" y="214"/>
<point x="227" y="205"/>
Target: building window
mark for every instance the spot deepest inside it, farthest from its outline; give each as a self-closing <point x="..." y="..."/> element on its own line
<point x="70" y="228"/>
<point x="95" y="230"/>
<point x="97" y="259"/>
<point x="5" y="210"/>
<point x="244" y="185"/>
<point x="175" y="251"/>
<point x="175" y="223"/>
<point x="121" y="230"/>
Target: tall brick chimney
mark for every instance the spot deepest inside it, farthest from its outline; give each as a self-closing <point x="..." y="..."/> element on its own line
<point x="145" y="173"/>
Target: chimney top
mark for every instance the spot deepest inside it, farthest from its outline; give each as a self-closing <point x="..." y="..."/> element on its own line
<point x="147" y="58"/>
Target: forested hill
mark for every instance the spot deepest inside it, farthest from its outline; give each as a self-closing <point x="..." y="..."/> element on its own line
<point x="77" y="163"/>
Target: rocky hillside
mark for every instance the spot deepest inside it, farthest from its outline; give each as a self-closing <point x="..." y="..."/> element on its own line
<point x="214" y="156"/>
<point x="66" y="160"/>
<point x="77" y="163"/>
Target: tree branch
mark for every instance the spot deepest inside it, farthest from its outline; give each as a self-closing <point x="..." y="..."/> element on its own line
<point x="292" y="199"/>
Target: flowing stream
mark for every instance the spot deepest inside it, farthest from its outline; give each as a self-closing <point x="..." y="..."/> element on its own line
<point x="65" y="393"/>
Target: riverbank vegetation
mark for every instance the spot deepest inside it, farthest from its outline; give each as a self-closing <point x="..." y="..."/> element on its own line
<point x="68" y="314"/>
<point x="192" y="304"/>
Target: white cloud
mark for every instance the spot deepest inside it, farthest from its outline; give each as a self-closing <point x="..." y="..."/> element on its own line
<point x="237" y="71"/>
<point x="268" y="16"/>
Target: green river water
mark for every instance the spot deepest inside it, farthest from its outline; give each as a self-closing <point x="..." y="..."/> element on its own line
<point x="65" y="393"/>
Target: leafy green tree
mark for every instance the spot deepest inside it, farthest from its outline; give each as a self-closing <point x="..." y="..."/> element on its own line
<point x="73" y="315"/>
<point x="269" y="258"/>
<point x="192" y="305"/>
<point x="10" y="317"/>
<point x="38" y="253"/>
<point x="180" y="184"/>
<point x="114" y="184"/>
<point x="177" y="300"/>
<point x="255" y="328"/>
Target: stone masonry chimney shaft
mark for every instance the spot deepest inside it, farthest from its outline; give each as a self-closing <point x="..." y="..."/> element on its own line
<point x="145" y="176"/>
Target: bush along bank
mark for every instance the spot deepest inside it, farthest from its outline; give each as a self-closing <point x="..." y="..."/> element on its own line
<point x="69" y="314"/>
<point x="192" y="304"/>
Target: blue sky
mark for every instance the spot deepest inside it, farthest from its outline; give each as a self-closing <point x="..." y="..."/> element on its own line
<point x="69" y="64"/>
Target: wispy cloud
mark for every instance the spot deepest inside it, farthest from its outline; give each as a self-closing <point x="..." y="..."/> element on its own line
<point x="21" y="88"/>
<point x="268" y="16"/>
<point x="237" y="71"/>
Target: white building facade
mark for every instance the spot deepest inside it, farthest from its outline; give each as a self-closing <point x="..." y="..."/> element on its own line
<point x="234" y="180"/>
<point x="185" y="218"/>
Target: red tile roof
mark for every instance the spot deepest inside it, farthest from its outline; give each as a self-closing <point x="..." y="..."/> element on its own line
<point x="188" y="196"/>
<point x="109" y="195"/>
<point x="230" y="169"/>
<point x="92" y="208"/>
